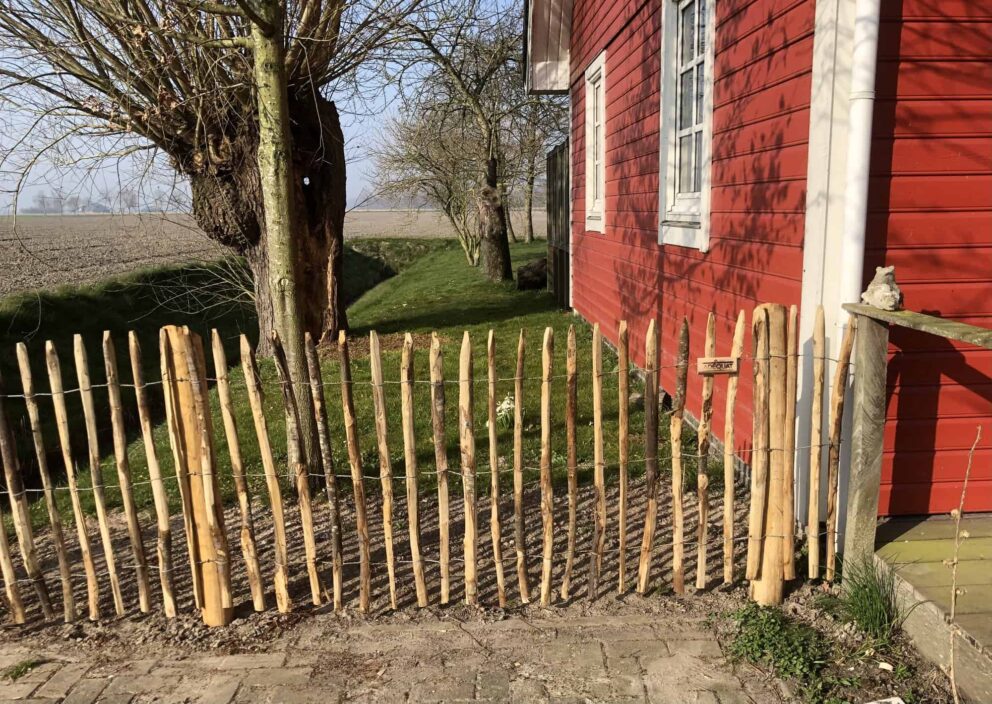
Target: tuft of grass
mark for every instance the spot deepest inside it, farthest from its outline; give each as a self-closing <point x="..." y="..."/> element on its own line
<point x="18" y="670"/>
<point x="871" y="601"/>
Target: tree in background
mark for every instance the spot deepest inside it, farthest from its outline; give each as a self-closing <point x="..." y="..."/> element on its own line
<point x="240" y="96"/>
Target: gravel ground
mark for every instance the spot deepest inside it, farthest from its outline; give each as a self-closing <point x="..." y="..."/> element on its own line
<point x="45" y="251"/>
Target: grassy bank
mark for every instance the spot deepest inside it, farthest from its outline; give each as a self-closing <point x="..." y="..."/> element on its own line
<point x="436" y="292"/>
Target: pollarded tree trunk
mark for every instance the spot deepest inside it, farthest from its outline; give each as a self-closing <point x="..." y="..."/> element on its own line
<point x="529" y="207"/>
<point x="494" y="242"/>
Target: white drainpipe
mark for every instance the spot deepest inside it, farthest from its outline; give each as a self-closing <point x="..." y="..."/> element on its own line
<point x="862" y="108"/>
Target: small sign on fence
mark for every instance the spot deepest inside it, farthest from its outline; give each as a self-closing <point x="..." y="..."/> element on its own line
<point x="717" y="365"/>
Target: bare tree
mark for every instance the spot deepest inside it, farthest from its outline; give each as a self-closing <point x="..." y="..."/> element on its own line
<point x="539" y="124"/>
<point x="239" y="94"/>
<point x="460" y="56"/>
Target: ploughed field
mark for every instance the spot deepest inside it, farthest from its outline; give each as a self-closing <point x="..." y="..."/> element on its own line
<point x="46" y="251"/>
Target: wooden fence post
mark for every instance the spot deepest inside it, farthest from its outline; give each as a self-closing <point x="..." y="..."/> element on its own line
<point x="11" y="589"/>
<point x="816" y="444"/>
<point x="247" y="533"/>
<point x="571" y="406"/>
<point x="190" y="403"/>
<point x="441" y="464"/>
<point x="466" y="433"/>
<point x="789" y="486"/>
<point x="410" y="462"/>
<point x="871" y="353"/>
<point x="385" y="463"/>
<point x="256" y="399"/>
<point x="737" y="348"/>
<point x="65" y="443"/>
<point x="703" y="445"/>
<point x="547" y="490"/>
<point x="357" y="480"/>
<point x="519" y="531"/>
<point x="298" y="462"/>
<point x="767" y="589"/>
<point x="327" y="459"/>
<point x="675" y="427"/>
<point x="759" y="443"/>
<point x="599" y="473"/>
<point x="833" y="457"/>
<point x="494" y="526"/>
<point x="41" y="455"/>
<point x="96" y="471"/>
<point x="623" y="423"/>
<point x="124" y="472"/>
<point x="650" y="454"/>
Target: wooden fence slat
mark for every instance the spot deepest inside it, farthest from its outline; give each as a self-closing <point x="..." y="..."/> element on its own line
<point x="19" y="510"/>
<point x="247" y="533"/>
<point x="519" y="530"/>
<point x="675" y="428"/>
<point x="41" y="455"/>
<point x="208" y="511"/>
<point x="494" y="524"/>
<point x="441" y="464"/>
<point x="736" y="350"/>
<point x="163" y="543"/>
<point x="789" y="489"/>
<point x="571" y="404"/>
<point x="836" y="422"/>
<point x="172" y="421"/>
<point x="547" y="490"/>
<point x="599" y="473"/>
<point x="13" y="592"/>
<point x="65" y="444"/>
<point x="410" y="462"/>
<point x="299" y="463"/>
<point x="357" y="480"/>
<point x="466" y="433"/>
<point x="124" y="473"/>
<point x="253" y="384"/>
<point x="759" y="442"/>
<point x="816" y="444"/>
<point x="703" y="445"/>
<point x="650" y="454"/>
<point x="623" y="424"/>
<point x="96" y="471"/>
<point x="767" y="589"/>
<point x="385" y="463"/>
<point x="327" y="460"/>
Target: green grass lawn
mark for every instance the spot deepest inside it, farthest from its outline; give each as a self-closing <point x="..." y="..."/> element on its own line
<point x="436" y="292"/>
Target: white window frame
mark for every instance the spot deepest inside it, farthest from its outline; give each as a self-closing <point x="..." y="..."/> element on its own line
<point x="684" y="221"/>
<point x="595" y="147"/>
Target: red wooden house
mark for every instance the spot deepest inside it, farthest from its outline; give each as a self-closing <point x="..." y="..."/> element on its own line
<point x="731" y="152"/>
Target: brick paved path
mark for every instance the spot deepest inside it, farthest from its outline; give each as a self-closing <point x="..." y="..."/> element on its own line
<point x="602" y="659"/>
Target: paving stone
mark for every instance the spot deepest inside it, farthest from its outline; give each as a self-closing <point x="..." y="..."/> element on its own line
<point x="86" y="691"/>
<point x="493" y="686"/>
<point x="281" y="677"/>
<point x="623" y="666"/>
<point x="126" y="684"/>
<point x="699" y="648"/>
<point x="39" y="673"/>
<point x="220" y="689"/>
<point x="528" y="690"/>
<point x="615" y="688"/>
<point x="248" y="661"/>
<point x="59" y="684"/>
<point x="446" y="688"/>
<point x="115" y="698"/>
<point x="17" y="690"/>
<point x="635" y="648"/>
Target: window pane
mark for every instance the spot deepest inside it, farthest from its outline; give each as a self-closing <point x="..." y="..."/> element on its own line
<point x="701" y="33"/>
<point x="688" y="32"/>
<point x="698" y="167"/>
<point x="685" y="164"/>
<point x="685" y="100"/>
<point x="699" y="94"/>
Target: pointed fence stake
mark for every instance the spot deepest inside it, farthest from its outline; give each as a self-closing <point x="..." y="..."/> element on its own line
<point x="675" y="428"/>
<point x="519" y="530"/>
<point x="571" y="404"/>
<point x="441" y="464"/>
<point x="623" y="429"/>
<point x="789" y="489"/>
<point x="650" y="455"/>
<point x="759" y="443"/>
<point x="702" y="460"/>
<point x="547" y="490"/>
<point x="736" y="350"/>
<point x="385" y="463"/>
<point x="599" y="474"/>
<point x="466" y="433"/>
<point x="836" y="423"/>
<point x="357" y="480"/>
<point x="816" y="444"/>
<point x="410" y="462"/>
<point x="494" y="473"/>
<point x="41" y="455"/>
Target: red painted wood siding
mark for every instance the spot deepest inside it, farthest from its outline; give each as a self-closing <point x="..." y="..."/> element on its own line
<point x="930" y="215"/>
<point x="760" y="124"/>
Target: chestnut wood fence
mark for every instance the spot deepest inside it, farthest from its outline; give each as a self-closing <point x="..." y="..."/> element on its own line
<point x="771" y="357"/>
